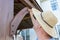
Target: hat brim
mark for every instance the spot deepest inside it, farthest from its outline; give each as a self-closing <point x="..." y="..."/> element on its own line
<point x="51" y="31"/>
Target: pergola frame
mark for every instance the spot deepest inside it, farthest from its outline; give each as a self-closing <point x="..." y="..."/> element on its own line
<point x="9" y="23"/>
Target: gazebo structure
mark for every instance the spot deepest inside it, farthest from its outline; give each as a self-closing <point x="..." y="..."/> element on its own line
<point x="14" y="15"/>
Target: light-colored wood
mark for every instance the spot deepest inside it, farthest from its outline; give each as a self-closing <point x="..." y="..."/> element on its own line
<point x="6" y="15"/>
<point x="29" y="3"/>
<point x="17" y="19"/>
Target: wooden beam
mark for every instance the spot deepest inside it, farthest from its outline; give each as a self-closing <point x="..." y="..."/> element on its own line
<point x="6" y="15"/>
<point x="17" y="20"/>
<point x="27" y="3"/>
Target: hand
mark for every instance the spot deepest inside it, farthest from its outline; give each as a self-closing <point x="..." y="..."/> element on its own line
<point x="41" y="34"/>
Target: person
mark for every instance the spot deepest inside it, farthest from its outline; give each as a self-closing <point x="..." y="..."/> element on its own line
<point x="41" y="34"/>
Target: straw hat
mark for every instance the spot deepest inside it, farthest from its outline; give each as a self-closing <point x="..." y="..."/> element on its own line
<point x="47" y="20"/>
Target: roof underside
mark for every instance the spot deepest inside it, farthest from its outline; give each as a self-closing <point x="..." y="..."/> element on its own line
<point x="26" y="22"/>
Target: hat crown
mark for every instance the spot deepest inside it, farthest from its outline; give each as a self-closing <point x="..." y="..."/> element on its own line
<point x="50" y="18"/>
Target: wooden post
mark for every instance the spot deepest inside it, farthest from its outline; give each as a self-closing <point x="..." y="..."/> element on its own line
<point x="6" y="15"/>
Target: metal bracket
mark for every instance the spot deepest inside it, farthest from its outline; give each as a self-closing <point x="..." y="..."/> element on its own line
<point x="18" y="18"/>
